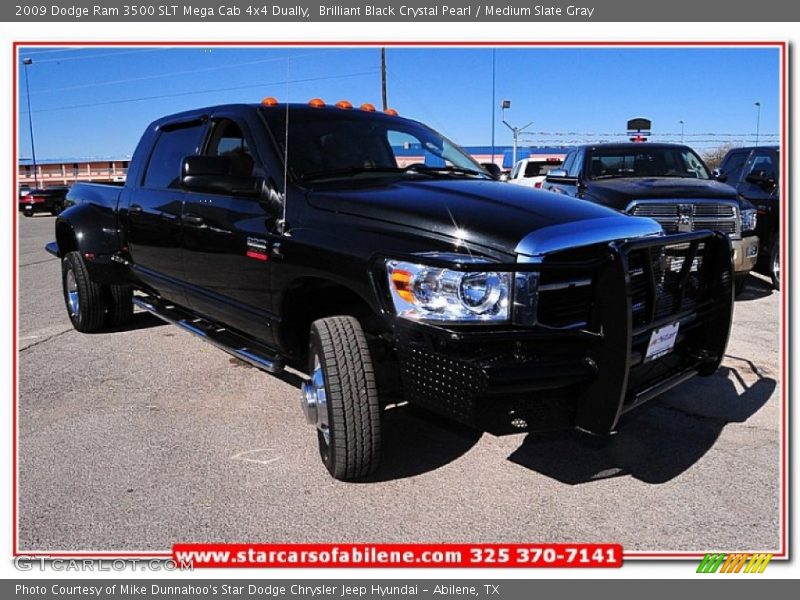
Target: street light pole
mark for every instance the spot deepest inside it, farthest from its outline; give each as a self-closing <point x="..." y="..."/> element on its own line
<point x="681" y="122"/>
<point x="758" y="120"/>
<point x="26" y="62"/>
<point x="515" y="131"/>
<point x="494" y="87"/>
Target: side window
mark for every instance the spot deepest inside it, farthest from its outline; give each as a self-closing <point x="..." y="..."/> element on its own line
<point x="172" y="145"/>
<point x="761" y="164"/>
<point x="576" y="167"/>
<point x="227" y="139"/>
<point x="569" y="161"/>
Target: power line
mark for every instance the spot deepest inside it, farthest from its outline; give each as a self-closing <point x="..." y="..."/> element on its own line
<point x="38" y="52"/>
<point x="86" y="57"/>
<point x="183" y="72"/>
<point x="198" y="92"/>
<point x="659" y="134"/>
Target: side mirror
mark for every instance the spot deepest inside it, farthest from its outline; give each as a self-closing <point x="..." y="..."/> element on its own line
<point x="719" y="175"/>
<point x="492" y="169"/>
<point x="760" y="178"/>
<point x="557" y="174"/>
<point x="215" y="174"/>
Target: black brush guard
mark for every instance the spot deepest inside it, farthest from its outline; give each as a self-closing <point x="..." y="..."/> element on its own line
<point x="586" y="377"/>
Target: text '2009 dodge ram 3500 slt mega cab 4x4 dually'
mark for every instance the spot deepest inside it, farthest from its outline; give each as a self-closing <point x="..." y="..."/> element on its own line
<point x="666" y="182"/>
<point x="289" y="235"/>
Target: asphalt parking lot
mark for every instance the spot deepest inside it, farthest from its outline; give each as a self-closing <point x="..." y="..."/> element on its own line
<point x="137" y="439"/>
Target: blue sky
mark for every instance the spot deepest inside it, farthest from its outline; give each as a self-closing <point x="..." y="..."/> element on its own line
<point x="95" y="102"/>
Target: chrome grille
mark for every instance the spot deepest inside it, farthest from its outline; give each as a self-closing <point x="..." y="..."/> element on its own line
<point x="689" y="215"/>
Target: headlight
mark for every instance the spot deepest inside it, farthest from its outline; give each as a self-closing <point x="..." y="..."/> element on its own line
<point x="427" y="293"/>
<point x="748" y="219"/>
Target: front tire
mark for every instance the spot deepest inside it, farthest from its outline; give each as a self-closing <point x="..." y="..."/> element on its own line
<point x="83" y="297"/>
<point x="775" y="263"/>
<point x="343" y="379"/>
<point x="27" y="213"/>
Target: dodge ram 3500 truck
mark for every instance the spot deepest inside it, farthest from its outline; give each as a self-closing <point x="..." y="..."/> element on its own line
<point x="666" y="182"/>
<point x="286" y="234"/>
<point x="755" y="173"/>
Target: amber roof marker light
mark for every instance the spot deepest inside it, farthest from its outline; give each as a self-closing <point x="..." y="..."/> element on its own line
<point x="368" y="107"/>
<point x="316" y="103"/>
<point x="269" y="101"/>
<point x="392" y="112"/>
<point x="344" y="104"/>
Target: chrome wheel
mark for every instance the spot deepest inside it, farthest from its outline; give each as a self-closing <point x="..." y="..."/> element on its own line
<point x="314" y="402"/>
<point x="776" y="266"/>
<point x="73" y="299"/>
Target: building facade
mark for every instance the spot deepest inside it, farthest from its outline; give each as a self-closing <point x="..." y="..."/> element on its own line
<point x="58" y="172"/>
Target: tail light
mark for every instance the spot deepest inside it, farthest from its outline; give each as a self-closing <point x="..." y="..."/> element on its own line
<point x="537" y="185"/>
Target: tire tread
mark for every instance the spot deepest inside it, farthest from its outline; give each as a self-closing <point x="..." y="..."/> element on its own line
<point x="352" y="397"/>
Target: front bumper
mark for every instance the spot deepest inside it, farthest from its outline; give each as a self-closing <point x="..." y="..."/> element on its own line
<point x="539" y="378"/>
<point x="745" y="254"/>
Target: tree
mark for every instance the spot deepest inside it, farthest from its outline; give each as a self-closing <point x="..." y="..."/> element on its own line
<point x="714" y="156"/>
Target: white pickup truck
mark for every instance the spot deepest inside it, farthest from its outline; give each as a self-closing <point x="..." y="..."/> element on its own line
<point x="531" y="171"/>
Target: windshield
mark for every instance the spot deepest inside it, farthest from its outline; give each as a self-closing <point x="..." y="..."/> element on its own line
<point x="646" y="162"/>
<point x="331" y="144"/>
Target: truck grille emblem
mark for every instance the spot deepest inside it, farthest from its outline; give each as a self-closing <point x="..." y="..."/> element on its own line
<point x="685" y="217"/>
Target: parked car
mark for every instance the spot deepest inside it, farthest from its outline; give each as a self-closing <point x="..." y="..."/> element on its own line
<point x="666" y="182"/>
<point x="531" y="172"/>
<point x="755" y="173"/>
<point x="430" y="283"/>
<point x="50" y="200"/>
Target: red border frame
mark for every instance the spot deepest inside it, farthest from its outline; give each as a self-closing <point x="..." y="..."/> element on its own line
<point x="784" y="98"/>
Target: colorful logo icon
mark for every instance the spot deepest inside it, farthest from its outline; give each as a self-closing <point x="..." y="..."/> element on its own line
<point x="734" y="563"/>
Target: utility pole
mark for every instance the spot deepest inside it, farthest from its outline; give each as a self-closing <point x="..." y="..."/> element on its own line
<point x="515" y="131"/>
<point x="681" y="122"/>
<point x="383" y="79"/>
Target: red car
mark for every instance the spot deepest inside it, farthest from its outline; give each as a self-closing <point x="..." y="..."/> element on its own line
<point x="43" y="200"/>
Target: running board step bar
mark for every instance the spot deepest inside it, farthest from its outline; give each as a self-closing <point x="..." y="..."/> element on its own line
<point x="234" y="344"/>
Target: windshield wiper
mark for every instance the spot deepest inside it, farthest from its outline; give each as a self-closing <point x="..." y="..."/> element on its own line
<point x="449" y="169"/>
<point x="344" y="171"/>
<point x="615" y="176"/>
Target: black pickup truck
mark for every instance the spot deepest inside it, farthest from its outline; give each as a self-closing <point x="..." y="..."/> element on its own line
<point x="666" y="182"/>
<point x="293" y="235"/>
<point x="755" y="173"/>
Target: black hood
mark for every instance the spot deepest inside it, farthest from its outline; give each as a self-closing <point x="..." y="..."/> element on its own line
<point x="619" y="192"/>
<point x="487" y="213"/>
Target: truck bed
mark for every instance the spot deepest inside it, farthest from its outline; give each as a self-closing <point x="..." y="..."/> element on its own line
<point x="105" y="195"/>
